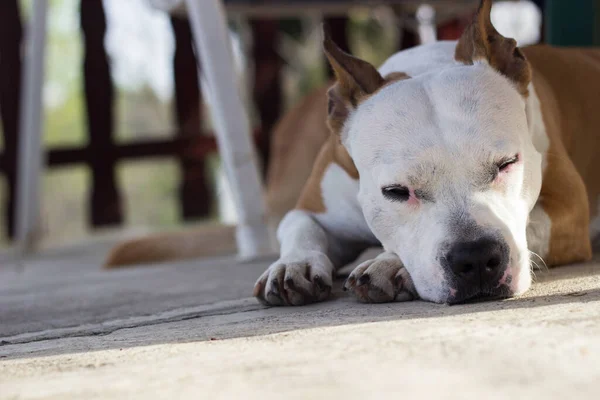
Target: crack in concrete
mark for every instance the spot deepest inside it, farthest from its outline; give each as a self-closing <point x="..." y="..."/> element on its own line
<point x="109" y="327"/>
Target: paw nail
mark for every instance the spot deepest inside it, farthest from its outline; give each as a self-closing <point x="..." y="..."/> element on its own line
<point x="364" y="279"/>
<point x="348" y="283"/>
<point x="271" y="296"/>
<point x="275" y="283"/>
<point x="319" y="282"/>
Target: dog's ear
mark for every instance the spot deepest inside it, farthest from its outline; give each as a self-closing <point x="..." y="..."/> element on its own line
<point x="481" y="41"/>
<point x="356" y="79"/>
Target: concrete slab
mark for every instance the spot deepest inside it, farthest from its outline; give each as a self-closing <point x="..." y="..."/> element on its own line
<point x="66" y="294"/>
<point x="190" y="329"/>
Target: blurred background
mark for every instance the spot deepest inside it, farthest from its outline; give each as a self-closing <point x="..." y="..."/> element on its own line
<point x="127" y="132"/>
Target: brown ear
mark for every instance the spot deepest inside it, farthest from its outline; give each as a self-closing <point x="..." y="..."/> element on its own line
<point x="480" y="40"/>
<point x="356" y="80"/>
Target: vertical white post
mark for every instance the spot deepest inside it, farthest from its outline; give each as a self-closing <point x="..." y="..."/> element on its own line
<point x="427" y="24"/>
<point x="30" y="153"/>
<point x="232" y="127"/>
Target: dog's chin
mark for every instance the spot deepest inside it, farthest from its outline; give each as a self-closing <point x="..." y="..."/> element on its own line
<point x="453" y="297"/>
<point x="521" y="282"/>
<point x="518" y="284"/>
<point x="478" y="296"/>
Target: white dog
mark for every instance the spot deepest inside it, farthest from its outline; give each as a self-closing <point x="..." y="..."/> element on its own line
<point x="440" y="156"/>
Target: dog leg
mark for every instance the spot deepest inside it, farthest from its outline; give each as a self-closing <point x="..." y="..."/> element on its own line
<point x="382" y="279"/>
<point x="309" y="256"/>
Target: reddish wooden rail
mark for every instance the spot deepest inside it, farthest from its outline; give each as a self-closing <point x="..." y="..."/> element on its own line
<point x="191" y="147"/>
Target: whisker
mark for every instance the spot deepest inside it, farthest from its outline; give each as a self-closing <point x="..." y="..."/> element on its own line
<point x="541" y="259"/>
<point x="532" y="270"/>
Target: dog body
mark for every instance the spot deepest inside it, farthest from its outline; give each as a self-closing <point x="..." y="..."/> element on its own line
<point x="459" y="158"/>
<point x="458" y="163"/>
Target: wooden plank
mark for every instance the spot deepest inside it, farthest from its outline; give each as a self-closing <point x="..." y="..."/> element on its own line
<point x="99" y="94"/>
<point x="267" y="92"/>
<point x="195" y="193"/>
<point x="338" y="29"/>
<point x="193" y="147"/>
<point x="180" y="147"/>
<point x="11" y="34"/>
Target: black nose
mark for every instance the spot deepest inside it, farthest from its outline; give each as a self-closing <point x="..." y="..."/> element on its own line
<point x="478" y="264"/>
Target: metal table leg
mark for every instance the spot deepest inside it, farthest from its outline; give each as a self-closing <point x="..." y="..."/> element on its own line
<point x="209" y="28"/>
<point x="30" y="154"/>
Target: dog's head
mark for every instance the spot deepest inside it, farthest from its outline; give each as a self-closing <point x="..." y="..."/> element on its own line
<point x="448" y="172"/>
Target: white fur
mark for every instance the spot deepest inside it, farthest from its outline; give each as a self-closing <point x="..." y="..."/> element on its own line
<point x="304" y="245"/>
<point x="537" y="128"/>
<point x="298" y="234"/>
<point x="539" y="225"/>
<point x="344" y="217"/>
<point x="538" y="232"/>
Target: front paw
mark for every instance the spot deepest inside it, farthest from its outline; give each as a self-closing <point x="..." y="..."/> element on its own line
<point x="295" y="281"/>
<point x="381" y="280"/>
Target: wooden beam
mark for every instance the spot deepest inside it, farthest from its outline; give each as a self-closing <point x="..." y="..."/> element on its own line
<point x="193" y="147"/>
<point x="99" y="95"/>
<point x="195" y="193"/>
<point x="11" y="35"/>
<point x="267" y="90"/>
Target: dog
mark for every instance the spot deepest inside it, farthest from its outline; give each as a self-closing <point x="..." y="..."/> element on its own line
<point x="463" y="160"/>
<point x="460" y="158"/>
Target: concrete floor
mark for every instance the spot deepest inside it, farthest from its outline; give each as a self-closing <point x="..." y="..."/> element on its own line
<point x="70" y="330"/>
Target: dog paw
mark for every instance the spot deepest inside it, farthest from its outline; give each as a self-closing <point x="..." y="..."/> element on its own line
<point x="295" y="281"/>
<point x="381" y="280"/>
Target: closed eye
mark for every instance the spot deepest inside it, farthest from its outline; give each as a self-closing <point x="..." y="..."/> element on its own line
<point x="504" y="164"/>
<point x="396" y="193"/>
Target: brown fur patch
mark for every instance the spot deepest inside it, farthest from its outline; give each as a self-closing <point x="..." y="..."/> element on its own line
<point x="480" y="40"/>
<point x="356" y="80"/>
<point x="394" y="77"/>
<point x="355" y="77"/>
<point x="296" y="141"/>
<point x="332" y="151"/>
<point x="200" y="242"/>
<point x="571" y="184"/>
